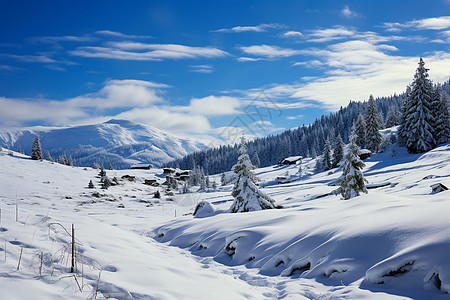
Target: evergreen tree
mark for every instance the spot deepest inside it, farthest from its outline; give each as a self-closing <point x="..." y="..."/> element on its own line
<point x="36" y="151"/>
<point x="442" y="123"/>
<point x="256" y="161"/>
<point x="393" y="117"/>
<point x="102" y="172"/>
<point x="418" y="120"/>
<point x="223" y="180"/>
<point x="49" y="157"/>
<point x="352" y="181"/>
<point x="360" y="130"/>
<point x="338" y="153"/>
<point x="91" y="184"/>
<point x="106" y="182"/>
<point x="247" y="196"/>
<point x="214" y="185"/>
<point x="327" y="155"/>
<point x="374" y="123"/>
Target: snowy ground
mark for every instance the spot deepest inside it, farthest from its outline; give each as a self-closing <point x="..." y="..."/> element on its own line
<point x="393" y="243"/>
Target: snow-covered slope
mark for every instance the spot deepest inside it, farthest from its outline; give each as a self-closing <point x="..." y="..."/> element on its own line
<point x="395" y="239"/>
<point x="117" y="142"/>
<point x="392" y="243"/>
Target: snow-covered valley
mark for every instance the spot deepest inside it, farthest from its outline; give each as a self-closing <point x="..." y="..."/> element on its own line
<point x="392" y="243"/>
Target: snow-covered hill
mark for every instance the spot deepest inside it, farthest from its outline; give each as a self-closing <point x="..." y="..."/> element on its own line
<point x="392" y="243"/>
<point x="117" y="142"/>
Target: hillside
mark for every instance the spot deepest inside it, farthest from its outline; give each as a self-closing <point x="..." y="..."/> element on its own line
<point x="120" y="143"/>
<point x="389" y="244"/>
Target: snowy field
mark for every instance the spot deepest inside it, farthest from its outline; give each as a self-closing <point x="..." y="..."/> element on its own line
<point x="393" y="243"/>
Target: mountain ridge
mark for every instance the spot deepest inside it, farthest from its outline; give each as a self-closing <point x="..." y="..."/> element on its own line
<point x="118" y="142"/>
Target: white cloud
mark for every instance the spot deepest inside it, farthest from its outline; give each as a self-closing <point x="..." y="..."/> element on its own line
<point x="437" y="23"/>
<point x="292" y="34"/>
<point x="329" y="34"/>
<point x="31" y="58"/>
<point x="120" y="94"/>
<point x="348" y="13"/>
<point x="121" y="35"/>
<point x="168" y="120"/>
<point x="270" y="52"/>
<point x="133" y="51"/>
<point x="258" y="28"/>
<point x="57" y="39"/>
<point x="310" y="63"/>
<point x="214" y="105"/>
<point x="245" y="59"/>
<point x="15" y="112"/>
<point x="297" y="117"/>
<point x="202" y="69"/>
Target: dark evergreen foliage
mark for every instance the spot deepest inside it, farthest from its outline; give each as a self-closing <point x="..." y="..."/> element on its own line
<point x="36" y="151"/>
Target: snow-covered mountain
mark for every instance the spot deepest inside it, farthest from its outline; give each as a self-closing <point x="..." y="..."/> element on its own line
<point x="120" y="143"/>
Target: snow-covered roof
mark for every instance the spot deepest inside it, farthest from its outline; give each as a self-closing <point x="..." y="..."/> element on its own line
<point x="365" y="151"/>
<point x="292" y="158"/>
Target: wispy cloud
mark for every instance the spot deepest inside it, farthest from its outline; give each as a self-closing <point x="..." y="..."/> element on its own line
<point x="269" y="52"/>
<point x="116" y="34"/>
<point x="438" y="23"/>
<point x="57" y="39"/>
<point x="202" y="69"/>
<point x="297" y="117"/>
<point x="257" y="28"/>
<point x="9" y="68"/>
<point x="329" y="34"/>
<point x="245" y="59"/>
<point x="292" y="34"/>
<point x="310" y="63"/>
<point x="147" y="52"/>
<point x="348" y="13"/>
<point x="30" y="58"/>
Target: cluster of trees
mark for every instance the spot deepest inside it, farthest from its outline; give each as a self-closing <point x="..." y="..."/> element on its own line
<point x="307" y="140"/>
<point x="36" y="154"/>
<point x="425" y="119"/>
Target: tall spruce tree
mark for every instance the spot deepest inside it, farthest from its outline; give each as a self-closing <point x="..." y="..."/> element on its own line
<point x="327" y="160"/>
<point x="338" y="153"/>
<point x="393" y="116"/>
<point x="359" y="128"/>
<point x="418" y="120"/>
<point x="352" y="181"/>
<point x="247" y="196"/>
<point x="442" y="121"/>
<point x="374" y="123"/>
<point x="36" y="151"/>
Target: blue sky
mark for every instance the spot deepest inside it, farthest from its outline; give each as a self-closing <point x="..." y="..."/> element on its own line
<point x="210" y="69"/>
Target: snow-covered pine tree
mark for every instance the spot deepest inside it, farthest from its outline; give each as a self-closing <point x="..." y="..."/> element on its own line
<point x="247" y="196"/>
<point x="417" y="129"/>
<point x="255" y="160"/>
<point x="360" y="130"/>
<point x="49" y="157"/>
<point x="374" y="123"/>
<point x="223" y="180"/>
<point x="36" y="151"/>
<point x="327" y="156"/>
<point x="442" y="121"/>
<point x="405" y="107"/>
<point x="352" y="181"/>
<point x="338" y="153"/>
<point x="393" y="117"/>
<point x="91" y="184"/>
